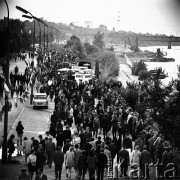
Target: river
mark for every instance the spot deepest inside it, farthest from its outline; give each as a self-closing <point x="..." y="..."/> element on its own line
<point x="169" y="67"/>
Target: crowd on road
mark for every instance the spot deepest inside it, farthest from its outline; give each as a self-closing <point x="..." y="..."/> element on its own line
<point x="106" y="130"/>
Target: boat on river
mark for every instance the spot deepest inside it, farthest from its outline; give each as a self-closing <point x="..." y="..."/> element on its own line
<point x="159" y="57"/>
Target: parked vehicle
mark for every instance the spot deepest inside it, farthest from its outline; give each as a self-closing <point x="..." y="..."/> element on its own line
<point x="40" y="100"/>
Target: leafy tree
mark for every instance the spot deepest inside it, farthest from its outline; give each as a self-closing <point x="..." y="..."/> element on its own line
<point x="137" y="67"/>
<point x="109" y="65"/>
<point x="75" y="44"/>
<point x="99" y="40"/>
<point x="143" y="74"/>
<point x="90" y="48"/>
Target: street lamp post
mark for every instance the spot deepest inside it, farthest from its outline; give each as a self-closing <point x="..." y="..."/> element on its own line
<point x="4" y="149"/>
<point x="47" y="36"/>
<point x="27" y="12"/>
<point x="52" y="34"/>
<point x="44" y="34"/>
<point x="38" y="20"/>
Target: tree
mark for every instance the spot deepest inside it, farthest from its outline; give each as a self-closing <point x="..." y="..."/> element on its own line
<point x="75" y="44"/>
<point x="99" y="40"/>
<point x="137" y="67"/>
<point x="109" y="65"/>
<point x="90" y="48"/>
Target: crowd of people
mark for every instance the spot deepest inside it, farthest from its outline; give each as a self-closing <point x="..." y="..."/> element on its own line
<point x="92" y="128"/>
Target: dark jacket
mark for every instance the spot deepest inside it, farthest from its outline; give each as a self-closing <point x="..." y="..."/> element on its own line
<point x="67" y="135"/>
<point x="19" y="129"/>
<point x="66" y="148"/>
<point x="58" y="158"/>
<point x="128" y="143"/>
<point x="82" y="163"/>
<point x="87" y="147"/>
<point x="41" y="158"/>
<point x="59" y="139"/>
<point x="102" y="161"/>
<point x="145" y="157"/>
<point x="92" y="161"/>
<point x="124" y="155"/>
<point x="113" y="150"/>
<point x="11" y="146"/>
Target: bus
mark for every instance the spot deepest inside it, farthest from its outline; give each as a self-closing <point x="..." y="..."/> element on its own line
<point x="82" y="71"/>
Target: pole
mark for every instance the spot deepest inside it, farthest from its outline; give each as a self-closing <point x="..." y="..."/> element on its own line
<point x="58" y="38"/>
<point x="4" y="149"/>
<point x="39" y="36"/>
<point x="52" y="35"/>
<point x="47" y="37"/>
<point x="44" y="39"/>
<point x="34" y="39"/>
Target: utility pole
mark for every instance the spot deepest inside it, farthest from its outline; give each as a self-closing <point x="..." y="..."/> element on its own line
<point x="47" y="37"/>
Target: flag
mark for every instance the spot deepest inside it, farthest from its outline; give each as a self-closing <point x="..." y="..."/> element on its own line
<point x="30" y="31"/>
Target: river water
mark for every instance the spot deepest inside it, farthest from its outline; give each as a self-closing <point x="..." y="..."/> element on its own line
<point x="169" y="67"/>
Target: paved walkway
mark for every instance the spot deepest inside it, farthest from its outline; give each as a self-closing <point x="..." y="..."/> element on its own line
<point x="13" y="114"/>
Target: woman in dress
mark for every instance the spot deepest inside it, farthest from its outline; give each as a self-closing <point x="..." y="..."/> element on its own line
<point x="69" y="161"/>
<point x="136" y="156"/>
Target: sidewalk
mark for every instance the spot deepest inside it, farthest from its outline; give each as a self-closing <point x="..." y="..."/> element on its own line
<point x="13" y="114"/>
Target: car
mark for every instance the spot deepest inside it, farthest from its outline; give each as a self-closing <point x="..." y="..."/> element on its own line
<point x="40" y="100"/>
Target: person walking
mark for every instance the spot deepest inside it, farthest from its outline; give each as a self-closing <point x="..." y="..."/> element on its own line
<point x="101" y="165"/>
<point x="69" y="161"/>
<point x="91" y="163"/>
<point x="31" y="160"/>
<point x="136" y="156"/>
<point x="77" y="154"/>
<point x="58" y="161"/>
<point x="145" y="160"/>
<point x="27" y="148"/>
<point x="19" y="130"/>
<point x="50" y="149"/>
<point x="82" y="165"/>
<point x="11" y="146"/>
<point x="124" y="160"/>
<point x="41" y="157"/>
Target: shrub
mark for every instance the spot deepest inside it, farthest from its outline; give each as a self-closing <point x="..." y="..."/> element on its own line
<point x="109" y="65"/>
<point x="137" y="67"/>
<point x="143" y="74"/>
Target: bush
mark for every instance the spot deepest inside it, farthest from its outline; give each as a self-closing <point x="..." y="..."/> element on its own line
<point x="137" y="67"/>
<point x="90" y="48"/>
<point x="109" y="65"/>
<point x="144" y="74"/>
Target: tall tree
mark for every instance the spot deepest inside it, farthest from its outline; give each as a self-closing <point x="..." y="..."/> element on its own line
<point x="99" y="40"/>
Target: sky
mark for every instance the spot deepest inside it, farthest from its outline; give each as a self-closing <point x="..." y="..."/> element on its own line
<point x="145" y="16"/>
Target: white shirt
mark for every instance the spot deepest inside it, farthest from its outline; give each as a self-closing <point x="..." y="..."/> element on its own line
<point x="32" y="159"/>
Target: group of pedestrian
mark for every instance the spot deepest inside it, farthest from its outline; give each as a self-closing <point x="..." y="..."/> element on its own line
<point x="107" y="129"/>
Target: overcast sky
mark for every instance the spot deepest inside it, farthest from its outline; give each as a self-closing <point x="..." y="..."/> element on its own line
<point x="153" y="16"/>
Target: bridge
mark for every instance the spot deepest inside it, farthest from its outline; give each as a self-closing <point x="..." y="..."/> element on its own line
<point x="168" y="39"/>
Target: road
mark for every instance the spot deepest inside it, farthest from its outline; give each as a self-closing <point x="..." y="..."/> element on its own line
<point x="125" y="73"/>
